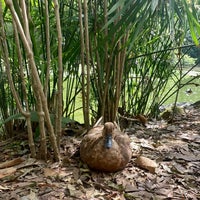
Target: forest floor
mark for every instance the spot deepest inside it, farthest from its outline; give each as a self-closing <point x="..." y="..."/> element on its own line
<point x="175" y="147"/>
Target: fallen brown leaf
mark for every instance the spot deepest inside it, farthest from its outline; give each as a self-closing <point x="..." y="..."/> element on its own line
<point x="11" y="163"/>
<point x="7" y="172"/>
<point x="146" y="163"/>
<point x="50" y="172"/>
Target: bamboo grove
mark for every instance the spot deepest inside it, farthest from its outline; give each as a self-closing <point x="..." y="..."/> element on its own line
<point x="110" y="54"/>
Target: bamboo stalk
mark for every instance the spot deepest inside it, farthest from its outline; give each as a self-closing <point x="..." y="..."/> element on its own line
<point x="59" y="105"/>
<point x="82" y="59"/>
<point x="121" y="62"/>
<point x="99" y="80"/>
<point x="106" y="68"/>
<point x="48" y="51"/>
<point x="37" y="86"/>
<point x="28" y="118"/>
<point x="87" y="109"/>
<point x="43" y="148"/>
<point x="12" y="87"/>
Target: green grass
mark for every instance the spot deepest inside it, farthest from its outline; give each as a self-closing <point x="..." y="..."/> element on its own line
<point x="78" y="115"/>
<point x="184" y="95"/>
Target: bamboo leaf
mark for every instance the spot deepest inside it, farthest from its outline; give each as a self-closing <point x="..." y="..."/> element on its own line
<point x="193" y="34"/>
<point x="119" y="3"/>
<point x="12" y="117"/>
<point x="196" y="24"/>
<point x="124" y="10"/>
<point x="154" y="5"/>
<point x="193" y="24"/>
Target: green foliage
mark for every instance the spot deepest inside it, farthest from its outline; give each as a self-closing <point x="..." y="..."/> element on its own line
<point x="34" y="118"/>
